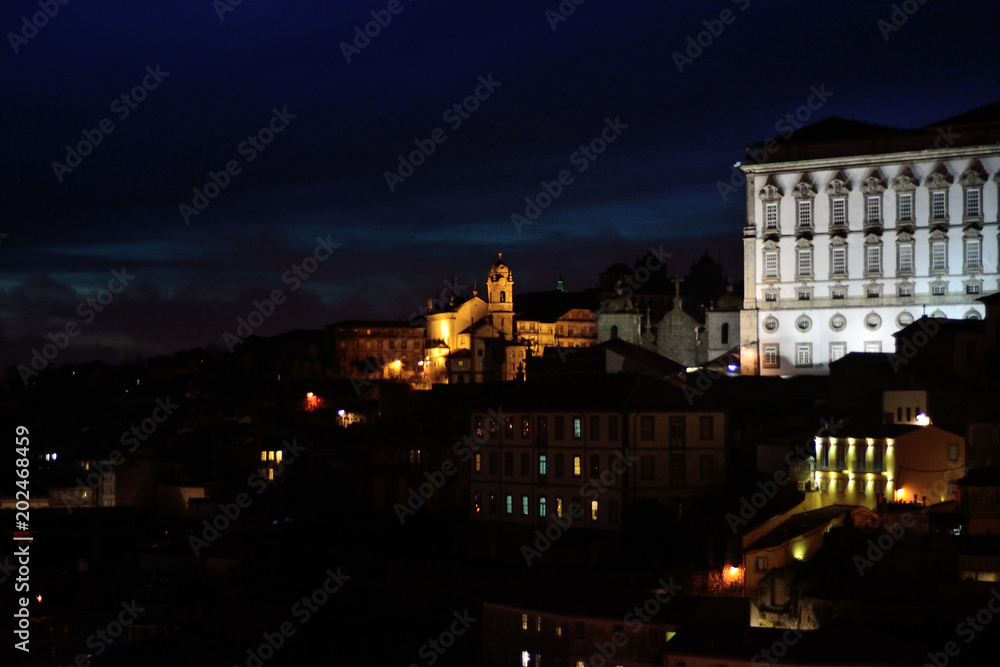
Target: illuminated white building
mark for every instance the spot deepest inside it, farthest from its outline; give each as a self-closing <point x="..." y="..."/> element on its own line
<point x="853" y="232"/>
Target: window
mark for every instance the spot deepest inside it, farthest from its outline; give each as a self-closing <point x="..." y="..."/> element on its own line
<point x="839" y="211"/>
<point x="559" y="507"/>
<point x="677" y="472"/>
<point x="972" y="288"/>
<point x="706" y="427"/>
<point x="613" y="427"/>
<point x="493" y="503"/>
<point x="874" y="292"/>
<point x="560" y="462"/>
<point x="524" y="621"/>
<point x="595" y="427"/>
<point x="707" y="467"/>
<point x="524" y="505"/>
<point x="838" y="322"/>
<point x="805" y="262"/>
<point x="939" y="289"/>
<point x="525" y="464"/>
<point x="493" y="463"/>
<point x="646" y="427"/>
<point x="479" y="462"/>
<point x="803" y="354"/>
<point x="939" y="256"/>
<point x="542" y="509"/>
<point x="771" y="356"/>
<point x="906" y="290"/>
<point x="678" y="431"/>
<point x="905" y="258"/>
<point x="613" y="514"/>
<point x="577" y="428"/>
<point x="873" y="321"/>
<point x="771" y="296"/>
<point x="593" y="510"/>
<point x="724" y="333"/>
<point x="973" y="197"/>
<point x="525" y="428"/>
<point x="508" y="463"/>
<point x="805" y="213"/>
<point x="770" y="264"/>
<point x="838" y="261"/>
<point x="543" y="465"/>
<point x="873" y="208"/>
<point x="508" y="427"/>
<point x="770" y="324"/>
<point x="477" y="502"/>
<point x="577" y="466"/>
<point x="904" y="319"/>
<point x="510" y="504"/>
<point x="939" y="207"/>
<point x="647" y="468"/>
<point x="837" y="350"/>
<point x="972" y="254"/>
<point x="803" y="323"/>
<point x="873" y="347"/>
<point x="543" y="430"/>
<point x="906" y="206"/>
<point x="771" y="215"/>
<point x="559" y="428"/>
<point x="838" y="292"/>
<point x="595" y="466"/>
<point x="873" y="259"/>
<point x="953" y="453"/>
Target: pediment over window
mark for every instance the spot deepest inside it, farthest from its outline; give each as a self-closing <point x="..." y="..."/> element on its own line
<point x="904" y="237"/>
<point x="938" y="235"/>
<point x="873" y="239"/>
<point x="939" y="177"/>
<point x="974" y="175"/>
<point x="905" y="181"/>
<point x="838" y="241"/>
<point x="770" y="244"/>
<point x="804" y="189"/>
<point x="803" y="243"/>
<point x="972" y="233"/>
<point x="874" y="183"/>
<point x="839" y="185"/>
<point x="770" y="191"/>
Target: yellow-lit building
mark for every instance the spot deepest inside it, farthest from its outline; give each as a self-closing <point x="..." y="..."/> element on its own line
<point x="865" y="465"/>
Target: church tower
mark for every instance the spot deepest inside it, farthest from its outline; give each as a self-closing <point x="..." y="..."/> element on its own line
<point x="500" y="291"/>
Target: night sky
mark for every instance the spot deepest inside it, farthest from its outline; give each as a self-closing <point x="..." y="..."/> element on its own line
<point x="222" y="72"/>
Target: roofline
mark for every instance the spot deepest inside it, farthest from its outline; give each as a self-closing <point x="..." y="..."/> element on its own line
<point x="870" y="159"/>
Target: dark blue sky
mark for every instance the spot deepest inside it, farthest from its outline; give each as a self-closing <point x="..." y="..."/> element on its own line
<point x="323" y="174"/>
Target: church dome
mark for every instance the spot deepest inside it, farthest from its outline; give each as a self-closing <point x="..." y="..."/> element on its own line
<point x="729" y="301"/>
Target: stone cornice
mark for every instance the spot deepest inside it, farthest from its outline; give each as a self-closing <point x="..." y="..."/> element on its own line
<point x="849" y="162"/>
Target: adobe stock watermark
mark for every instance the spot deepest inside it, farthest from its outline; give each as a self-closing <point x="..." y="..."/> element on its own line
<point x="294" y="276"/>
<point x="591" y="490"/>
<point x="248" y="149"/>
<point x="86" y="309"/>
<point x="967" y="629"/>
<point x="230" y="512"/>
<point x="99" y="641"/>
<point x="30" y="27"/>
<point x="785" y="126"/>
<point x="464" y="449"/>
<point x="362" y="38"/>
<point x="908" y="347"/>
<point x="122" y="106"/>
<point x="713" y="29"/>
<point x="302" y="611"/>
<point x="453" y="288"/>
<point x="901" y="13"/>
<point x="433" y="649"/>
<point x="656" y="259"/>
<point x="130" y="439"/>
<point x="634" y="620"/>
<point x="454" y="116"/>
<point x="581" y="158"/>
<point x="223" y="7"/>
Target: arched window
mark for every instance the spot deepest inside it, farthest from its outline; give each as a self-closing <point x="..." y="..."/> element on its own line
<point x="614" y="331"/>
<point x="503" y="297"/>
<point x="725" y="333"/>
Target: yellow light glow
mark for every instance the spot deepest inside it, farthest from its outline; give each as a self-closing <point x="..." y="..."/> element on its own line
<point x="900" y="494"/>
<point x="310" y="395"/>
<point x="923" y="420"/>
<point x="277" y="456"/>
<point x="871" y="441"/>
<point x="888" y="442"/>
<point x="850" y="441"/>
<point x="799" y="551"/>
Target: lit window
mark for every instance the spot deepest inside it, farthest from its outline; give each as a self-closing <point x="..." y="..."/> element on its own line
<point x="270" y="474"/>
<point x="803" y="354"/>
<point x="771" y="216"/>
<point x="542" y="506"/>
<point x="525" y="509"/>
<point x="524" y="621"/>
<point x="559" y="507"/>
<point x="543" y="466"/>
<point x="538" y="623"/>
<point x="479" y="462"/>
<point x="477" y="501"/>
<point x="277" y="456"/>
<point x="593" y="510"/>
<point x="761" y="563"/>
<point x="839" y="211"/>
<point x="939" y="207"/>
<point x="510" y="504"/>
<point x="953" y="453"/>
<point x="577" y="466"/>
<point x="906" y="206"/>
<point x="577" y="428"/>
<point x="558" y="631"/>
<point x="263" y="456"/>
<point x="525" y="427"/>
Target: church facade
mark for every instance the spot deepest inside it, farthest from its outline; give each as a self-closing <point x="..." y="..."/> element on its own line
<point x="853" y="232"/>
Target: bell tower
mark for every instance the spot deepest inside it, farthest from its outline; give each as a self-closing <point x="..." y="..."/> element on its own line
<point x="500" y="291"/>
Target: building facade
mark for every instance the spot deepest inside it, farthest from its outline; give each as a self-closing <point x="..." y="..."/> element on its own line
<point x="849" y="240"/>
